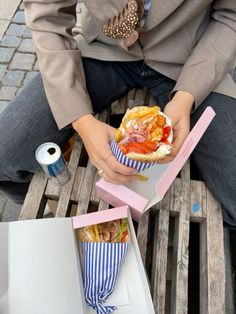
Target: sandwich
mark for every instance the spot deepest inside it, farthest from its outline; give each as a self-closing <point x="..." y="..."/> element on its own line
<point x="145" y="134"/>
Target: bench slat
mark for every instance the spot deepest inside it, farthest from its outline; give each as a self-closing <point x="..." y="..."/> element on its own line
<point x="64" y="200"/>
<point x="198" y="201"/>
<point x="212" y="268"/>
<point x="160" y="253"/>
<point x="179" y="293"/>
<point x="176" y="197"/>
<point x="130" y="101"/>
<point x="119" y="106"/>
<point x="86" y="189"/>
<point x="139" y="97"/>
<point x="35" y="200"/>
<point x="79" y="179"/>
<point x="142" y="235"/>
<point x="103" y="205"/>
<point x="94" y="197"/>
<point x="52" y="191"/>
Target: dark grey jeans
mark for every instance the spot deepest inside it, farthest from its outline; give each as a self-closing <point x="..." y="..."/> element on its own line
<point x="27" y="122"/>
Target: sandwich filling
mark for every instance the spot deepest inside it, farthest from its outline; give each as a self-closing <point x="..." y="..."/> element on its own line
<point x="145" y="134"/>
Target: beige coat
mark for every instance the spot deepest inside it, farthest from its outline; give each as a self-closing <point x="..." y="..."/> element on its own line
<point x="190" y="41"/>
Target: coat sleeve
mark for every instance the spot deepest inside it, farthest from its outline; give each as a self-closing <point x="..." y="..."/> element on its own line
<point x="214" y="55"/>
<point x="60" y="64"/>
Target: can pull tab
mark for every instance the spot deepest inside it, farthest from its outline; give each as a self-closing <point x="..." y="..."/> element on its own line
<point x="51" y="150"/>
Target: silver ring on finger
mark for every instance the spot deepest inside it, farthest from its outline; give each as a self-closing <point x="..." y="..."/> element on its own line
<point x="100" y="172"/>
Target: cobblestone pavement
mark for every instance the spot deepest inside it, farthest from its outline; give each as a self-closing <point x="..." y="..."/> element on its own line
<point x="18" y="64"/>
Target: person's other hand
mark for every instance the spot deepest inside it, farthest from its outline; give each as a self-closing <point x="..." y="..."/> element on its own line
<point x="178" y="110"/>
<point x="96" y="137"/>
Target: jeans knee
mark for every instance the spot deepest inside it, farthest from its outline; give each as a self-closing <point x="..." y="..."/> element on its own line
<point x="14" y="166"/>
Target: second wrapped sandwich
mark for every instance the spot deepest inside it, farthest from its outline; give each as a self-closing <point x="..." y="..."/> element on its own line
<point x="104" y="247"/>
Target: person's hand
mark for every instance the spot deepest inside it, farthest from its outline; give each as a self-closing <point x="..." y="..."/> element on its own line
<point x="96" y="137"/>
<point x="178" y="110"/>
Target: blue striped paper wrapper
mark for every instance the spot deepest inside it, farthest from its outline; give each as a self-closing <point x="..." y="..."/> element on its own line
<point x="138" y="165"/>
<point x="101" y="263"/>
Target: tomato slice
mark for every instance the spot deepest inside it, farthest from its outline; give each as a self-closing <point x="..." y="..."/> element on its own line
<point x="151" y="145"/>
<point x="167" y="130"/>
<point x="140" y="148"/>
<point x="137" y="148"/>
<point x="124" y="235"/>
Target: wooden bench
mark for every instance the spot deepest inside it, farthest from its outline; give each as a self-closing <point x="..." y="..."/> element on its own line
<point x="163" y="233"/>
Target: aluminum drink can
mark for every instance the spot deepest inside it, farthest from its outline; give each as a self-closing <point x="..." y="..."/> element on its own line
<point x="50" y="158"/>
